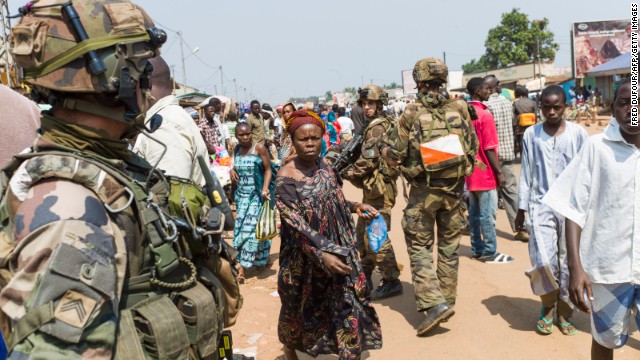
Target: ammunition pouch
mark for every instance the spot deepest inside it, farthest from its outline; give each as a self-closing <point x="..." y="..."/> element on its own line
<point x="374" y="185"/>
<point x="153" y="328"/>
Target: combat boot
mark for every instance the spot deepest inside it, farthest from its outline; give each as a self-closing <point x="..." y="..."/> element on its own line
<point x="367" y="275"/>
<point x="435" y="315"/>
<point x="387" y="289"/>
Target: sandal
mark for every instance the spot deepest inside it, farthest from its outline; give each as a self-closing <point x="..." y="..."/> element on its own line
<point x="547" y="322"/>
<point x="498" y="258"/>
<point x="564" y="328"/>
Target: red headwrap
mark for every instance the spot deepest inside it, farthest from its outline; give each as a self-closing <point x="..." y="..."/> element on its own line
<point x="302" y="117"/>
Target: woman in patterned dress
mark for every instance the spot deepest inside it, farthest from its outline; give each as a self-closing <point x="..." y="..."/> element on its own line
<point x="321" y="283"/>
<point x="252" y="175"/>
<point x="287" y="152"/>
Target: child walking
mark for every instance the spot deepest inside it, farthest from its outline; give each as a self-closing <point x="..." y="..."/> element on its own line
<point x="547" y="149"/>
<point x="483" y="198"/>
<point x="599" y="195"/>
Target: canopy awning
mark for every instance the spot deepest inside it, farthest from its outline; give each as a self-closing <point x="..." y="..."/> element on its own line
<point x="617" y="66"/>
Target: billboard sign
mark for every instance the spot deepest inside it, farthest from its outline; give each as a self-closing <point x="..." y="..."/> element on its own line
<point x="597" y="42"/>
<point x="408" y="85"/>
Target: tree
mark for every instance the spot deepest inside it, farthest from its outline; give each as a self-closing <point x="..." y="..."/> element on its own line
<point x="393" y="85"/>
<point x="515" y="41"/>
<point x="475" y="66"/>
<point x="328" y="96"/>
<point x="351" y="90"/>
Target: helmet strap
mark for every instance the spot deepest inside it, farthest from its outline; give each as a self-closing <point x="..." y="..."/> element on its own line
<point x="128" y="95"/>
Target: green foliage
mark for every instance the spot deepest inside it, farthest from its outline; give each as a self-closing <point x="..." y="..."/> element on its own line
<point x="515" y="41"/>
<point x="350" y="90"/>
<point x="328" y="96"/>
<point x="393" y="85"/>
<point x="475" y="66"/>
<point x="301" y="100"/>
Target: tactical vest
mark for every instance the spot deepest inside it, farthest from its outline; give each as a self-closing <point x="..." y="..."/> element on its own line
<point x="376" y="184"/>
<point x="428" y="127"/>
<point x="166" y="290"/>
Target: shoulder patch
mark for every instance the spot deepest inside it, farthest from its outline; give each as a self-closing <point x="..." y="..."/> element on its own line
<point x="75" y="309"/>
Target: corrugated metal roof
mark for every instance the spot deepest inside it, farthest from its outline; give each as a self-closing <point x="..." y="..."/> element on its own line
<point x="617" y="66"/>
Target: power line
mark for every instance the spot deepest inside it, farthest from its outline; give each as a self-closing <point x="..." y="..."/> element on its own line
<point x="166" y="49"/>
<point x="166" y="27"/>
<point x="205" y="81"/>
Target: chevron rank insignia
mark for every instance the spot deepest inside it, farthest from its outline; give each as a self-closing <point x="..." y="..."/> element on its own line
<point x="75" y="309"/>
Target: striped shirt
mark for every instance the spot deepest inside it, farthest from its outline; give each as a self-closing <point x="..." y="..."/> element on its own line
<point x="502" y="111"/>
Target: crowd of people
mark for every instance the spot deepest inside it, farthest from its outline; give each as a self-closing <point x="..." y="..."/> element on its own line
<point x="497" y="128"/>
<point x="132" y="272"/>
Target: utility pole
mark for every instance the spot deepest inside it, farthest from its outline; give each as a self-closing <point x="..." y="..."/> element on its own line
<point x="184" y="70"/>
<point x="235" y="85"/>
<point x="539" y="67"/>
<point x="4" y="50"/>
<point x="444" y="57"/>
<point x="221" y="81"/>
<point x="537" y="23"/>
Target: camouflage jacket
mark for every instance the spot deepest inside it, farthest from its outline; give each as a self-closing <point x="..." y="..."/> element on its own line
<point x="369" y="167"/>
<point x="76" y="246"/>
<point x="68" y="254"/>
<point x="413" y="128"/>
<point x="257" y="128"/>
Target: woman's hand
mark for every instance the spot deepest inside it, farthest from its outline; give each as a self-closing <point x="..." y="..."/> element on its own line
<point x="366" y="212"/>
<point x="234" y="176"/>
<point x="266" y="195"/>
<point x="334" y="264"/>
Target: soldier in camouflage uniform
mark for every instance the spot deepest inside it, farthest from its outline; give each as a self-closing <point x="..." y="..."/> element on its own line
<point x="436" y="190"/>
<point x="378" y="182"/>
<point x="88" y="263"/>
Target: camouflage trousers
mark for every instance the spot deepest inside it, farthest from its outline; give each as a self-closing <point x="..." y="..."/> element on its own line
<point x="427" y="208"/>
<point x="385" y="258"/>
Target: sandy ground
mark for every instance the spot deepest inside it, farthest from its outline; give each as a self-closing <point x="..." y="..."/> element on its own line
<point x="495" y="311"/>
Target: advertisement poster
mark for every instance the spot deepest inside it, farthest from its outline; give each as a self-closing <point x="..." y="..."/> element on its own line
<point x="408" y="85"/>
<point x="597" y="42"/>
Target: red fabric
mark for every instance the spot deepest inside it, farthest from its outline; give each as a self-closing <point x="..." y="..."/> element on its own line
<point x="303" y="117"/>
<point x="485" y="126"/>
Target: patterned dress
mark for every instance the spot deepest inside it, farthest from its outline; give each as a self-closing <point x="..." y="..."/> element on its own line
<point x="321" y="313"/>
<point x="250" y="251"/>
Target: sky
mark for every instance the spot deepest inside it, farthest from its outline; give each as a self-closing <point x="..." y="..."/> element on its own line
<point x="282" y="48"/>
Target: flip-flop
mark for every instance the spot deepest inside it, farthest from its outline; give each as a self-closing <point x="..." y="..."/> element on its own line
<point x="566" y="331"/>
<point x="541" y="329"/>
<point x="498" y="258"/>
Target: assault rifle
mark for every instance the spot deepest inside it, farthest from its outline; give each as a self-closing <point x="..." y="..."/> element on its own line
<point x="349" y="154"/>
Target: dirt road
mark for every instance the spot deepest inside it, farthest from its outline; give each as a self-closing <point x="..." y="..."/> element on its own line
<point x="495" y="311"/>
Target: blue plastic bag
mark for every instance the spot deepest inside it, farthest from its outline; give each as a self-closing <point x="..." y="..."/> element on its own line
<point x="3" y="348"/>
<point x="377" y="233"/>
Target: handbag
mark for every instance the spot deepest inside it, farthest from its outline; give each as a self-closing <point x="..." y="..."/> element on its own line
<point x="266" y="227"/>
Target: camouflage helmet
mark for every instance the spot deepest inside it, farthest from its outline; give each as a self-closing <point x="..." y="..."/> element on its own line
<point x="428" y="69"/>
<point x="372" y="93"/>
<point x="86" y="46"/>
